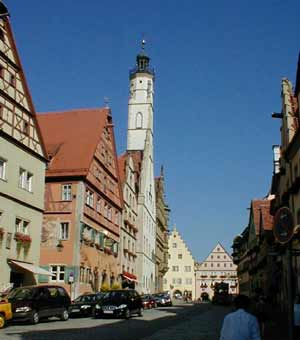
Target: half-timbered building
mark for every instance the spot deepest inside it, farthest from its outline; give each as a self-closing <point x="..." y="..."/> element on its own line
<point x="83" y="201"/>
<point x="22" y="169"/>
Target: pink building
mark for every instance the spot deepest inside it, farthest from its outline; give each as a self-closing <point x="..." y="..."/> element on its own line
<point x="83" y="201"/>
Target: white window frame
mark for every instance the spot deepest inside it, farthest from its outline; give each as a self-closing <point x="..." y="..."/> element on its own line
<point x="25" y="179"/>
<point x="66" y="192"/>
<point x="64" y="230"/>
<point x="57" y="272"/>
<point x="89" y="201"/>
<point x="22" y="227"/>
<point x="3" y="164"/>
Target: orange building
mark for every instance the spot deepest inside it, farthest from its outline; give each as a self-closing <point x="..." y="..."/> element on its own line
<point x="83" y="200"/>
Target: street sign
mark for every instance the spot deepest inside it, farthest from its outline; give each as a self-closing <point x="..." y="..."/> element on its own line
<point x="283" y="227"/>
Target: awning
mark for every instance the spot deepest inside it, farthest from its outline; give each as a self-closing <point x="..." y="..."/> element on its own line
<point x="31" y="268"/>
<point x="129" y="276"/>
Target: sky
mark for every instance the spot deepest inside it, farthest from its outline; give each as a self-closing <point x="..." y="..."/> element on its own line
<point x="218" y="65"/>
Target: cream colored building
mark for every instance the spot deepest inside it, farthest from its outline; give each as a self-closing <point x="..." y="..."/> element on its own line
<point x="22" y="171"/>
<point x="217" y="267"/>
<point x="180" y="278"/>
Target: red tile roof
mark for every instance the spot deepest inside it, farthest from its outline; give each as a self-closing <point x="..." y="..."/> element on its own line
<point x="261" y="208"/>
<point x="71" y="138"/>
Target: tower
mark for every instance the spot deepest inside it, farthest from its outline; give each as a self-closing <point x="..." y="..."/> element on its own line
<point x="140" y="106"/>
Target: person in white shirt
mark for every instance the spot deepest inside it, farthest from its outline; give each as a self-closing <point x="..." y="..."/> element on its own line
<point x="240" y="325"/>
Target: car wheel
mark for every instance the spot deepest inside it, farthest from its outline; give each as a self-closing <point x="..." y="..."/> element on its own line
<point x="141" y="312"/>
<point x="64" y="315"/>
<point x="35" y="318"/>
<point x="127" y="314"/>
<point x="2" y="321"/>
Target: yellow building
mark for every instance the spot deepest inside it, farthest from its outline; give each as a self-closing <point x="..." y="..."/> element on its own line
<point x="22" y="170"/>
<point x="180" y="278"/>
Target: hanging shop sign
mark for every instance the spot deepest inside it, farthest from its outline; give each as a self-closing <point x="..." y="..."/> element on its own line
<point x="283" y="227"/>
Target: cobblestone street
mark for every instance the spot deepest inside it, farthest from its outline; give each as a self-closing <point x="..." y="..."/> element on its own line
<point x="183" y="321"/>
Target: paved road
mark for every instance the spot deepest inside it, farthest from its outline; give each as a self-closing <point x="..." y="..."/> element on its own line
<point x="183" y="321"/>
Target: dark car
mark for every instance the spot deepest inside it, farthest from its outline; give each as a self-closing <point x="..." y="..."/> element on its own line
<point x="148" y="301"/>
<point x="163" y="299"/>
<point x="84" y="305"/>
<point x="33" y="303"/>
<point x="120" y="303"/>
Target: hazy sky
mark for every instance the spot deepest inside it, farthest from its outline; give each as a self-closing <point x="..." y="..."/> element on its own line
<point x="218" y="67"/>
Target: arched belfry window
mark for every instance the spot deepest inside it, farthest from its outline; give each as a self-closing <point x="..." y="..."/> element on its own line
<point x="139" y="121"/>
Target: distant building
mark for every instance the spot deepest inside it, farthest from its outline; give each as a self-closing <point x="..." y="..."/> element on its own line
<point x="128" y="238"/>
<point x="217" y="267"/>
<point x="162" y="221"/>
<point x="22" y="171"/>
<point x="180" y="278"/>
<point x="83" y="201"/>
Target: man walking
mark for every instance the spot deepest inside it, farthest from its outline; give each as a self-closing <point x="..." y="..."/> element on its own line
<point x="240" y="325"/>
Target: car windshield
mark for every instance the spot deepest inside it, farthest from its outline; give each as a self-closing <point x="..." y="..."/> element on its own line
<point x="21" y="294"/>
<point x="85" y="298"/>
<point x="115" y="296"/>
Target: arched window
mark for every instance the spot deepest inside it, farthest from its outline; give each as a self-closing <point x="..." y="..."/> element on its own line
<point x="139" y="121"/>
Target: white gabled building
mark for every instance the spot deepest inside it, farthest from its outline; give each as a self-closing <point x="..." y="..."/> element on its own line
<point x="217" y="267"/>
<point x="140" y="146"/>
<point x="180" y="278"/>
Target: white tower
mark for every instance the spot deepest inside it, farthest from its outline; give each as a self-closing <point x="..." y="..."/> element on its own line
<point x="140" y="138"/>
<point x="140" y="107"/>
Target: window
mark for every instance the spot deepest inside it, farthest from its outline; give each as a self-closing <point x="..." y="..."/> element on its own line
<point x="12" y="80"/>
<point x="187" y="268"/>
<point x="139" y="121"/>
<point x="218" y="264"/>
<point x="165" y="281"/>
<point x="8" y="240"/>
<point x="175" y="268"/>
<point x="89" y="200"/>
<point x="180" y="256"/>
<point x="174" y="245"/>
<point x="179" y="281"/>
<point x="188" y="281"/>
<point x="2" y="168"/>
<point x="66" y="192"/>
<point x="230" y="264"/>
<point x="64" y="231"/>
<point x="25" y="179"/>
<point x="98" y="205"/>
<point x="109" y="214"/>
<point x="21" y="226"/>
<point x="174" y="281"/>
<point x="211" y="256"/>
<point x="205" y="264"/>
<point x="26" y="128"/>
<point x="58" y="273"/>
<point x="224" y="264"/>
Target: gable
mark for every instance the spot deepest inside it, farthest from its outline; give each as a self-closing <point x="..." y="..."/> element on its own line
<point x="218" y="255"/>
<point x="17" y="113"/>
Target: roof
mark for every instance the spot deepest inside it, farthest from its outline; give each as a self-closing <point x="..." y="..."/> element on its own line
<point x="266" y="217"/>
<point x="71" y="138"/>
<point x="122" y="167"/>
<point x="256" y="206"/>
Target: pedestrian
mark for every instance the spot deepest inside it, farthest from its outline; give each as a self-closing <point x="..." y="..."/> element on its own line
<point x="240" y="325"/>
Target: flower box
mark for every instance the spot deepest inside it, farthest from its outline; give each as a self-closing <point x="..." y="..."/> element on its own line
<point x="107" y="251"/>
<point x="22" y="238"/>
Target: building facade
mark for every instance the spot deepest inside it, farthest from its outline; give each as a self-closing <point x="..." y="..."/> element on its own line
<point x="217" y="267"/>
<point x="140" y="145"/>
<point x="180" y="278"/>
<point x="22" y="170"/>
<point x="162" y="222"/>
<point x="83" y="201"/>
<point x="129" y="230"/>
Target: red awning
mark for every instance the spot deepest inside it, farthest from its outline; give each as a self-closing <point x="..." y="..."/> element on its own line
<point x="129" y="276"/>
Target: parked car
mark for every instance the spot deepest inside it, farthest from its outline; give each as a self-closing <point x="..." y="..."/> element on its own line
<point x="84" y="305"/>
<point x="5" y="313"/>
<point x="163" y="299"/>
<point x="33" y="303"/>
<point x="148" y="301"/>
<point x="120" y="303"/>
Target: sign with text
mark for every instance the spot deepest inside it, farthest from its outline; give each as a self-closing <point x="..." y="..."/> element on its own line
<point x="283" y="227"/>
